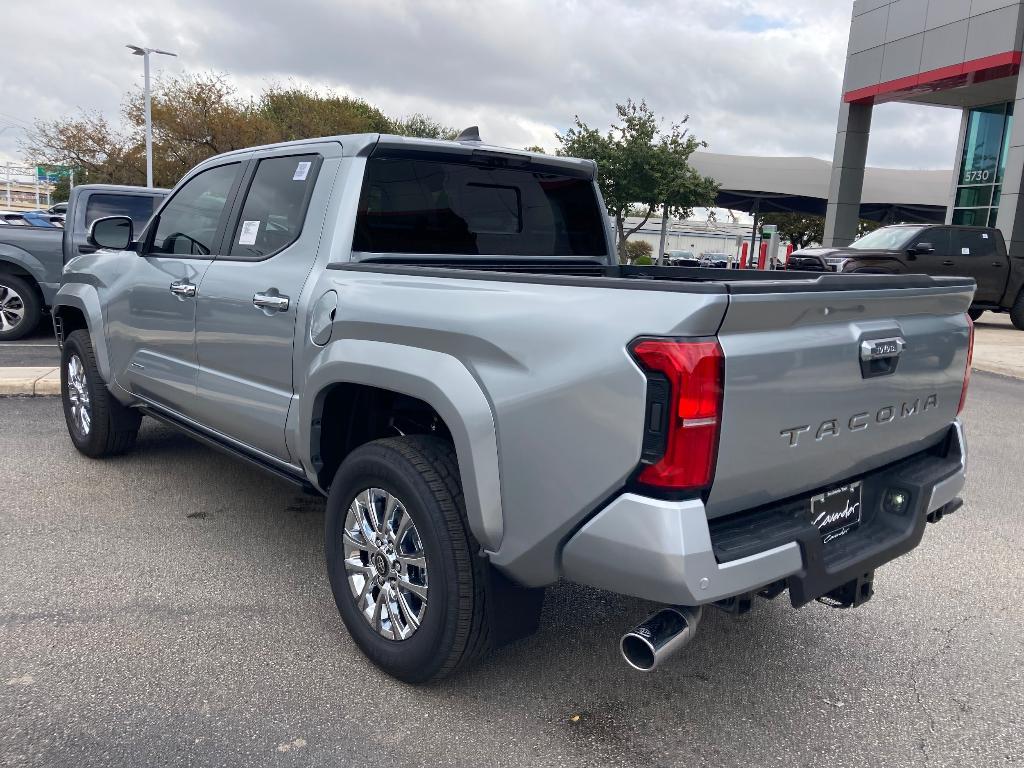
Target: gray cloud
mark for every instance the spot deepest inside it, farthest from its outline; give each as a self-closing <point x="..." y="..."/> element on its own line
<point x="755" y="76"/>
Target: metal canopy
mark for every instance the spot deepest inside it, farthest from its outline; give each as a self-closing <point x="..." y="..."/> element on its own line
<point x="801" y="184"/>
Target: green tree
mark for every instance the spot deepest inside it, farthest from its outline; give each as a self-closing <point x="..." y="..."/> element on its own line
<point x="196" y="116"/>
<point x="298" y="112"/>
<point x="641" y="164"/>
<point x="422" y="127"/>
<point x="91" y="145"/>
<point x="62" y="187"/>
<point x="799" y="229"/>
<point x="865" y="226"/>
<point x="804" y="230"/>
<point x="637" y="250"/>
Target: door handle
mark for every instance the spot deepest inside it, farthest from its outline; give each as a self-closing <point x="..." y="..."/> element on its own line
<point x="947" y="263"/>
<point x="270" y="301"/>
<point x="183" y="289"/>
<point x="997" y="263"/>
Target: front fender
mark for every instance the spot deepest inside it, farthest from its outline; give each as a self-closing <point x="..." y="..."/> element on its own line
<point x="87" y="300"/>
<point x="442" y="382"/>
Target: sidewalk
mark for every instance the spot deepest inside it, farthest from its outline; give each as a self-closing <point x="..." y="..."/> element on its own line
<point x="29" y="381"/>
<point x="998" y="348"/>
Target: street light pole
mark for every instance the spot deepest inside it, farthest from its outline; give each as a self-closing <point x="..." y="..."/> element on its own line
<point x="144" y="53"/>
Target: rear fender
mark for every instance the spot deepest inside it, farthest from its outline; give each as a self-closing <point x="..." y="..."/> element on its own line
<point x="437" y="379"/>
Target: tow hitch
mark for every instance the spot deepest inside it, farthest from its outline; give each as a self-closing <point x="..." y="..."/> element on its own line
<point x="851" y="594"/>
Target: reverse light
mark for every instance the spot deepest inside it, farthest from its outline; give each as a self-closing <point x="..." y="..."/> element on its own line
<point x="694" y="370"/>
<point x="970" y="358"/>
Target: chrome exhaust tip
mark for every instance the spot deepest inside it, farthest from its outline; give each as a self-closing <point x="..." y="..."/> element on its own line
<point x="659" y="636"/>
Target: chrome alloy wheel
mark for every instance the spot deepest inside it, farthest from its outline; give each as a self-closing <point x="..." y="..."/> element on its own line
<point x="385" y="564"/>
<point x="78" y="396"/>
<point x="12" y="308"/>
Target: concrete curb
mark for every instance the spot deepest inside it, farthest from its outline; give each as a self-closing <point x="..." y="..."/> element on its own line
<point x="30" y="382"/>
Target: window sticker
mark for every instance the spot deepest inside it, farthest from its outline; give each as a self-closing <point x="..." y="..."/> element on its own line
<point x="301" y="171"/>
<point x="984" y="236"/>
<point x="249" y="231"/>
<point x="965" y="251"/>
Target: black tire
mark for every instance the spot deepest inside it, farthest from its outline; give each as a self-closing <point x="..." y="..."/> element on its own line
<point x="421" y="471"/>
<point x="113" y="427"/>
<point x="19" y="295"/>
<point x="1017" y="312"/>
<point x="974" y="314"/>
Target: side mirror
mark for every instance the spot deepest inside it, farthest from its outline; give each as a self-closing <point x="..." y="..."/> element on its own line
<point x="922" y="248"/>
<point x="113" y="232"/>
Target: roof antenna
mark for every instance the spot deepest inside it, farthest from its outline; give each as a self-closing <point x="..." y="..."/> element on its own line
<point x="470" y="134"/>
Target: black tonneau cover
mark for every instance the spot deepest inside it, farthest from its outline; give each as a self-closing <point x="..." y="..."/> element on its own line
<point x="586" y="273"/>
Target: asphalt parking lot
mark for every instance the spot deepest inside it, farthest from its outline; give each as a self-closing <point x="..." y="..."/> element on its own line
<point x="39" y="349"/>
<point x="170" y="608"/>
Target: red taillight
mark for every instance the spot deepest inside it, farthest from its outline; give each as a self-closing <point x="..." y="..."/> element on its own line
<point x="695" y="371"/>
<point x="970" y="358"/>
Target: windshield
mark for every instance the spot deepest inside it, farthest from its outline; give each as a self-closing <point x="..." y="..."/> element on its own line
<point x="886" y="239"/>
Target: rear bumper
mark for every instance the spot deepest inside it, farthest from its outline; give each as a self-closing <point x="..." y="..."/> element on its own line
<point x="666" y="551"/>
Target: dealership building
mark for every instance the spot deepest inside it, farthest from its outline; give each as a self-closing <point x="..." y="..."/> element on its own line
<point x="962" y="54"/>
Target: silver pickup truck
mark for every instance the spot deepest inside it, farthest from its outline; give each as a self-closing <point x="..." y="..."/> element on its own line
<point x="437" y="336"/>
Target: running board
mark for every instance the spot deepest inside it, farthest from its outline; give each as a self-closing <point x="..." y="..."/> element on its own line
<point x="231" y="450"/>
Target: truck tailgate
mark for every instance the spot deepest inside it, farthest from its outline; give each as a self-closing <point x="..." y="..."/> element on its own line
<point x="800" y="410"/>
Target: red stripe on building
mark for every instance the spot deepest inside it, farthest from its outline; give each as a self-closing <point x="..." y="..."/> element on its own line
<point x="976" y="70"/>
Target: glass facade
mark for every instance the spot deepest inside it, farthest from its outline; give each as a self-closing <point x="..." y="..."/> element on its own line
<point x="982" y="165"/>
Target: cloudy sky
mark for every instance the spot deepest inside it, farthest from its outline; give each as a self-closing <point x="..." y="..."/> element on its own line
<point x="756" y="76"/>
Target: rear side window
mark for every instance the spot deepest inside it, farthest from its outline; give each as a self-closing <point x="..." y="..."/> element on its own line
<point x="446" y="206"/>
<point x="138" y="208"/>
<point x="974" y="242"/>
<point x="275" y="206"/>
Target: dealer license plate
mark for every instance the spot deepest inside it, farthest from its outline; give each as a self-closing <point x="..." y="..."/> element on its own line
<point x="837" y="511"/>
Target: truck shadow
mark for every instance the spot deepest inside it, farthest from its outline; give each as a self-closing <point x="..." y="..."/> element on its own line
<point x="749" y="672"/>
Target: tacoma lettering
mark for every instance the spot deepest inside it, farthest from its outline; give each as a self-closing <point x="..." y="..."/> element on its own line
<point x="858" y="422"/>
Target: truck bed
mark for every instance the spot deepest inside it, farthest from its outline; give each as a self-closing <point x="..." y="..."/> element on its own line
<point x="549" y="341"/>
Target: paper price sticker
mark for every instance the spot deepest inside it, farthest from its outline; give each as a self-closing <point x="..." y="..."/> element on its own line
<point x="249" y="231"/>
<point x="301" y="171"/>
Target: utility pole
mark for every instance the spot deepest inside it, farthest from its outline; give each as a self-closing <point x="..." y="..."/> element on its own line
<point x="144" y="53"/>
<point x="8" y="184"/>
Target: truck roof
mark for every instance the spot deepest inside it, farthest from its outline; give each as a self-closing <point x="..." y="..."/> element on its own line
<point x="361" y="144"/>
<point x="118" y="188"/>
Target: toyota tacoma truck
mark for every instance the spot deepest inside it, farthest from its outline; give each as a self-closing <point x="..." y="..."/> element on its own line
<point x="436" y="335"/>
